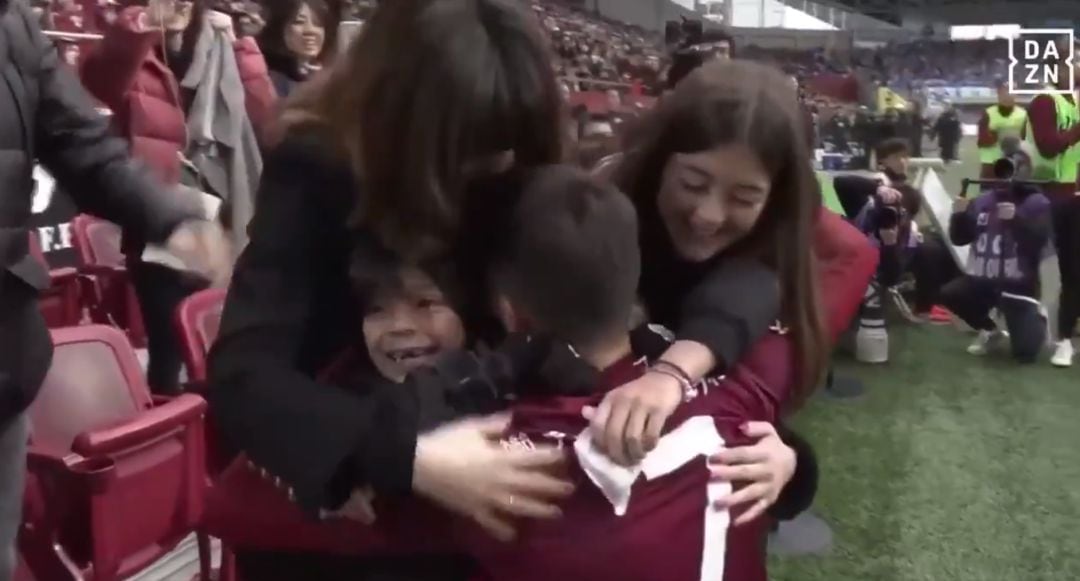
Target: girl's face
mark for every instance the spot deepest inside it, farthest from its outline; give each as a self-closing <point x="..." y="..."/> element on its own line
<point x="409" y="327"/>
<point x="710" y="200"/>
<point x="304" y="36"/>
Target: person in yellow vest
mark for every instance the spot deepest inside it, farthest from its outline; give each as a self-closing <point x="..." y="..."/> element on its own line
<point x="1054" y="129"/>
<point x="998" y="122"/>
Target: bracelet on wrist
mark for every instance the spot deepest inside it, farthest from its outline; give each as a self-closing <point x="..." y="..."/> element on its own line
<point x="686" y="385"/>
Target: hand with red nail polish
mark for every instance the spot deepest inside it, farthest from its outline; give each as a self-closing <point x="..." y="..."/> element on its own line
<point x="758" y="471"/>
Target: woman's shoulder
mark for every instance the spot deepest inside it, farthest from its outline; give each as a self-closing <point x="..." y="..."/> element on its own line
<point x="303" y="154"/>
<point x="304" y="140"/>
<point x="307" y="146"/>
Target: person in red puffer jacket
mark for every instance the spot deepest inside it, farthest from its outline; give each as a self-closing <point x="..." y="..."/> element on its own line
<point x="136" y="72"/>
<point x="136" y="69"/>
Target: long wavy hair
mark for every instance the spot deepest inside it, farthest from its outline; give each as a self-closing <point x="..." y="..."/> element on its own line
<point x="738" y="102"/>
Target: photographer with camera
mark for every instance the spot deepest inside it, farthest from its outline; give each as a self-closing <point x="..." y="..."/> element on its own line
<point x="1007" y="228"/>
<point x="884" y="208"/>
<point x="884" y="215"/>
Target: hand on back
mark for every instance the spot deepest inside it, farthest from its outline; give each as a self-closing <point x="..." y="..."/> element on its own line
<point x="465" y="468"/>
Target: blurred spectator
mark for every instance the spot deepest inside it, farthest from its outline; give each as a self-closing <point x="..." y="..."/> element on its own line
<point x="910" y="65"/>
<point x="299" y="37"/>
<point x="948" y="131"/>
<point x="136" y="72"/>
<point x="594" y="53"/>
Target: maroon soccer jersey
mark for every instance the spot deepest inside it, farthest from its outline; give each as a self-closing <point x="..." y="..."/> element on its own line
<point x="652" y="527"/>
<point x="661" y="536"/>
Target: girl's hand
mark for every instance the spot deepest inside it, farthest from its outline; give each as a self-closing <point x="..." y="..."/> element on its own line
<point x="464" y="467"/>
<point x="627" y="424"/>
<point x="763" y="469"/>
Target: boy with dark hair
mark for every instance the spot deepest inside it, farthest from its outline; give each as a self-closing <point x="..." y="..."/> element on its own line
<point x="569" y="273"/>
<point x="575" y="231"/>
<point x="893" y="155"/>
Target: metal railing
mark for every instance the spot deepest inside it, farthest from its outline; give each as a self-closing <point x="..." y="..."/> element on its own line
<point x="58" y="35"/>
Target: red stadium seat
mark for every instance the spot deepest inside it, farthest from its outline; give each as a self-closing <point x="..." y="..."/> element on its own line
<point x="61" y="304"/>
<point x="116" y="478"/>
<point x="103" y="264"/>
<point x="197" y="320"/>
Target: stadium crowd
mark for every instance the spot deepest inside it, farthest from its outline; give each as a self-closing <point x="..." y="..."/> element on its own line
<point x="407" y="252"/>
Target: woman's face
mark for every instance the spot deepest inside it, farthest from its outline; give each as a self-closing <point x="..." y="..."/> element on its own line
<point x="711" y="199"/>
<point x="304" y="35"/>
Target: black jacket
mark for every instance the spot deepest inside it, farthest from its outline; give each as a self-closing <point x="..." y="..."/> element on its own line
<point x="289" y="312"/>
<point x="46" y="115"/>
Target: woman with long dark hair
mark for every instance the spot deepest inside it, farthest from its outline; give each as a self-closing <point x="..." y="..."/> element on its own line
<point x="431" y="94"/>
<point x="720" y="171"/>
<point x="299" y="38"/>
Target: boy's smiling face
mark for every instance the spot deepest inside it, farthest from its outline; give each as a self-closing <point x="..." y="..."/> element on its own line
<point x="409" y="326"/>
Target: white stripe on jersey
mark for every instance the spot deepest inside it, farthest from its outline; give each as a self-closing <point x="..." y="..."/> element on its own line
<point x="695" y="437"/>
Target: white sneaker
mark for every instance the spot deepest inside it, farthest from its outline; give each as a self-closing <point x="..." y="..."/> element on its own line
<point x="1063" y="354"/>
<point x="986" y="341"/>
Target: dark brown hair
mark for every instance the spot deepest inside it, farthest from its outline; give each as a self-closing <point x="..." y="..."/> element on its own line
<point x="429" y="89"/>
<point x="373" y="270"/>
<point x="279" y="13"/>
<point x="739" y="102"/>
<point x="571" y="261"/>
<point x="893" y="146"/>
